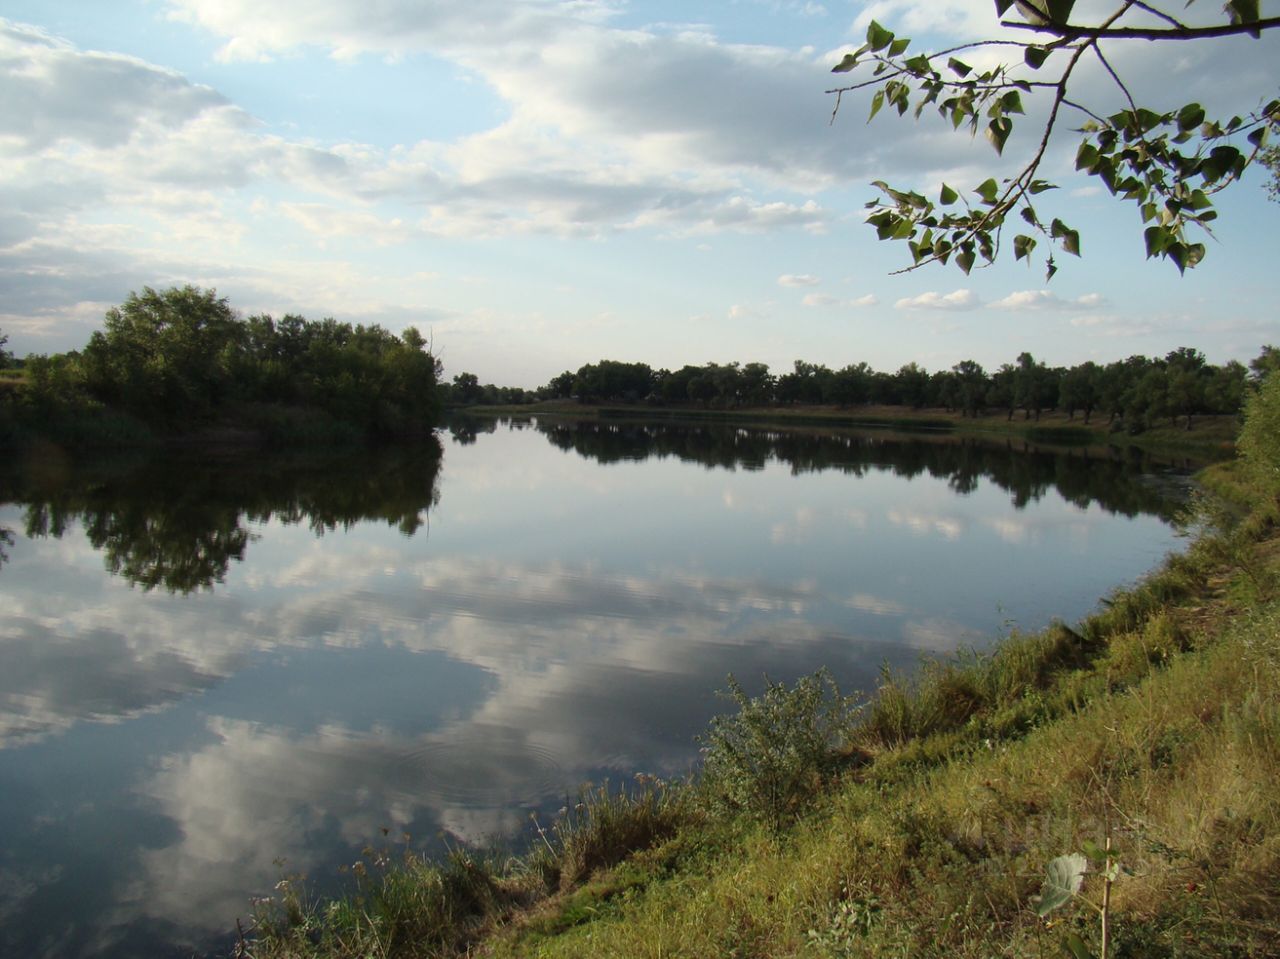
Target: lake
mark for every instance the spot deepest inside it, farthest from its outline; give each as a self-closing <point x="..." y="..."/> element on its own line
<point x="218" y="669"/>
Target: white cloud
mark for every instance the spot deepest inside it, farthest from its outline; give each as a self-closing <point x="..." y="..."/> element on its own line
<point x="820" y="299"/>
<point x="1037" y="300"/>
<point x="826" y="300"/>
<point x="962" y="299"/>
<point x="798" y="279"/>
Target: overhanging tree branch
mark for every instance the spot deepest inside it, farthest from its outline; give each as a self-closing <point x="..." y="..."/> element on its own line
<point x="1066" y="31"/>
<point x="1169" y="163"/>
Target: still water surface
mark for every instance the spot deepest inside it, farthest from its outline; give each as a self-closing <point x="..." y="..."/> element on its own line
<point x="209" y="665"/>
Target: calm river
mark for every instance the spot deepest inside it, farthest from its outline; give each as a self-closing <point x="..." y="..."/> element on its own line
<point x="211" y="665"/>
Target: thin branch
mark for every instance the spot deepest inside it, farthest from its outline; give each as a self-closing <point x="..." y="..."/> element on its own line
<point x="1068" y="32"/>
<point x="1161" y="14"/>
<point x="1116" y="77"/>
<point x="1082" y="108"/>
<point x="967" y="85"/>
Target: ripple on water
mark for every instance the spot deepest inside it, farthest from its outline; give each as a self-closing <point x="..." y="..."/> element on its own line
<point x="482" y="770"/>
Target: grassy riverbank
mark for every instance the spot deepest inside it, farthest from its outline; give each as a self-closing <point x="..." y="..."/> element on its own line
<point x="1148" y="736"/>
<point x="1210" y="438"/>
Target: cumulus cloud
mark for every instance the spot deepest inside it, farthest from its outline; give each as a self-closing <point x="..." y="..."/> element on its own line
<point x="1037" y="300"/>
<point x="55" y="93"/>
<point x="798" y="279"/>
<point x="826" y="300"/>
<point x="963" y="299"/>
<point x="820" y="299"/>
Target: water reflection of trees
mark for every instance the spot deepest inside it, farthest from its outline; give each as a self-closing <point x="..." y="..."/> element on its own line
<point x="179" y="523"/>
<point x="1081" y="476"/>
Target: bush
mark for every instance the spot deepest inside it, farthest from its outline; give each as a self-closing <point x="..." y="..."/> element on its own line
<point x="778" y="750"/>
<point x="1259" y="441"/>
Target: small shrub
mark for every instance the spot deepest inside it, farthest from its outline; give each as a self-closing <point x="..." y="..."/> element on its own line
<point x="770" y="757"/>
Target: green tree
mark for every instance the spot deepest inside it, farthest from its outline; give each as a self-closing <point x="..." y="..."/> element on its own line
<point x="1034" y="387"/>
<point x="1227" y="388"/>
<point x="560" y="387"/>
<point x="165" y="355"/>
<point x="1170" y="160"/>
<point x="1266" y="362"/>
<point x="757" y="384"/>
<point x="972" y="385"/>
<point x="911" y="386"/>
<point x="1078" y="390"/>
<point x="1188" y="377"/>
<point x="466" y="389"/>
<point x="1000" y="391"/>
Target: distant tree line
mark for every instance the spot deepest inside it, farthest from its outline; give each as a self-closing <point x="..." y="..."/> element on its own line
<point x="182" y="358"/>
<point x="1135" y="393"/>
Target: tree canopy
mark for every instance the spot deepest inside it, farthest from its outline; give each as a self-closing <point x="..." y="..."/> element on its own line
<point x="183" y="358"/>
<point x="1169" y="161"/>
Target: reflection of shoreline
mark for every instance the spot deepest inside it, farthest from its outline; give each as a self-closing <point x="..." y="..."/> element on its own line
<point x="179" y="523"/>
<point x="1082" y="475"/>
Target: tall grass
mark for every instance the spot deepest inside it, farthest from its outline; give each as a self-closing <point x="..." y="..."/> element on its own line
<point x="407" y="905"/>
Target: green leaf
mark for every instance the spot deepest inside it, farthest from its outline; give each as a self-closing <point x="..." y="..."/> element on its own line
<point x="1075" y="945"/>
<point x="988" y="189"/>
<point x="947" y="196"/>
<point x="1039" y="186"/>
<point x="847" y="63"/>
<point x="877" y="102"/>
<point x="1086" y="157"/>
<point x="1069" y="237"/>
<point x="878" y="37"/>
<point x="1095" y="852"/>
<point x="1157" y="238"/>
<point x="1243" y="11"/>
<point x="1035" y="57"/>
<point x="959" y="67"/>
<point x="1063" y="876"/>
<point x="919" y="65"/>
<point x="1002" y="6"/>
<point x="964" y="259"/>
<point x="1022" y="246"/>
<point x="998" y="131"/>
<point x="1190" y="116"/>
<point x="1060" y="10"/>
<point x="1012" y="102"/>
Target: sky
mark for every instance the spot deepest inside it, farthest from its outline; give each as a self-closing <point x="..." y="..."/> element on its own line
<point x="539" y="184"/>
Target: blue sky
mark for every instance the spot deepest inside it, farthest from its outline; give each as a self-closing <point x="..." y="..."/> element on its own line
<point x="538" y="184"/>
